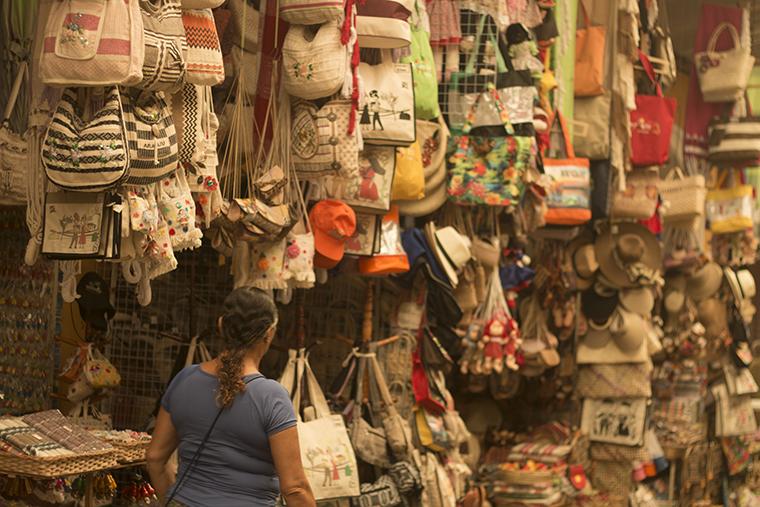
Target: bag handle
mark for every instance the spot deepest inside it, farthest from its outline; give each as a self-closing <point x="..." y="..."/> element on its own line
<point x="316" y="396"/>
<point x="586" y="17"/>
<point x="191" y="351"/>
<point x="644" y="59"/>
<point x="480" y="39"/>
<point x="718" y="31"/>
<point x="467" y="127"/>
<point x="288" y="376"/>
<point x="675" y="174"/>
<point x="560" y="119"/>
<point x="376" y="374"/>
<point x="22" y="70"/>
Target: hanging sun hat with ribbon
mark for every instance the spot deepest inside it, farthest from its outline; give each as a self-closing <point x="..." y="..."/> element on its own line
<point x="583" y="258"/>
<point x="629" y="255"/>
<point x="705" y="281"/>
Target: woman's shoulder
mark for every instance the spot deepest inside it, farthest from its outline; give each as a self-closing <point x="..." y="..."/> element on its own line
<point x="263" y="386"/>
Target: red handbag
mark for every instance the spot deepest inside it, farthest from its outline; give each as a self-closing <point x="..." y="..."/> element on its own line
<point x="651" y="123"/>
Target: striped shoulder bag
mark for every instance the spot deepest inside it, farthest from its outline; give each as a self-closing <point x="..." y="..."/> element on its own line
<point x="91" y="155"/>
<point x="152" y="137"/>
<point x="164" y="67"/>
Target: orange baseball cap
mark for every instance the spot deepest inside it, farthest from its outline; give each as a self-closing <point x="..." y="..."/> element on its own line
<point x="333" y="223"/>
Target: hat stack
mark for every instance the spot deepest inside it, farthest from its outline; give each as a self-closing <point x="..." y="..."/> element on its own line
<point x="617" y="274"/>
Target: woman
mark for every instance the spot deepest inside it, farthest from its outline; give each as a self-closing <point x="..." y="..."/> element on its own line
<point x="243" y="423"/>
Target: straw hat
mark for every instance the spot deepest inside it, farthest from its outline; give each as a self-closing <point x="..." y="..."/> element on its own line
<point x="451" y="249"/>
<point x="597" y="335"/>
<point x="435" y="171"/>
<point x="583" y="259"/>
<point x="713" y="315"/>
<point x="742" y="284"/>
<point x="675" y="293"/>
<point x="598" y="303"/>
<point x="639" y="300"/>
<point x="611" y="354"/>
<point x="486" y="252"/>
<point x="628" y="330"/>
<point x="705" y="282"/>
<point x="628" y="254"/>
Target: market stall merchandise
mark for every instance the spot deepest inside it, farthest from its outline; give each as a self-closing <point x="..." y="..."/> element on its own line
<point x="513" y="244"/>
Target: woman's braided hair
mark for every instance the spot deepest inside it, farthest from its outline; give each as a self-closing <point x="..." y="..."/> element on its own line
<point x="248" y="314"/>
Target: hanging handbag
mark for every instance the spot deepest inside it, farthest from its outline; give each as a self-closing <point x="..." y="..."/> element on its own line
<point x="729" y="209"/>
<point x="381" y="493"/>
<point x="311" y="12"/>
<point x="651" y="123"/>
<point x="639" y="198"/>
<point x="591" y="126"/>
<point x="90" y="43"/>
<point x="165" y="62"/>
<point x="13" y="151"/>
<point x="424" y="72"/>
<point x="569" y="197"/>
<point x="204" y="51"/>
<point x="489" y="170"/>
<point x="723" y="75"/>
<point x="589" y="57"/>
<point x="683" y="197"/>
<point x="391" y="259"/>
<point x="188" y="113"/>
<point x="387" y="108"/>
<point x="320" y="142"/>
<point x="324" y="442"/>
<point x="368" y="191"/>
<point x="409" y="180"/>
<point x="370" y="442"/>
<point x="397" y="430"/>
<point x="516" y="88"/>
<point x="99" y="372"/>
<point x="153" y="148"/>
<point x="87" y="156"/>
<point x="734" y="140"/>
<point x="314" y="60"/>
<point x="433" y="140"/>
<point x="384" y="23"/>
<point x="79" y="225"/>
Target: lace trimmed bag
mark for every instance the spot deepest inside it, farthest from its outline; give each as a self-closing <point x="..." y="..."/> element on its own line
<point x="153" y="148"/>
<point x="164" y="65"/>
<point x="314" y="64"/>
<point x="86" y="156"/>
<point x="88" y="43"/>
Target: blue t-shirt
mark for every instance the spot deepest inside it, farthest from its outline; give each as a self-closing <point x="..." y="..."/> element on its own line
<point x="236" y="468"/>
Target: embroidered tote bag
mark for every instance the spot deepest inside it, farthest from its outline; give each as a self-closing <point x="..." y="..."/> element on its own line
<point x="86" y="156"/>
<point x="723" y="75"/>
<point x="488" y="170"/>
<point x="326" y="449"/>
<point x="589" y="57"/>
<point x="569" y="197"/>
<point x="153" y="149"/>
<point x="384" y="23"/>
<point x="387" y="108"/>
<point x="311" y="12"/>
<point x="651" y="123"/>
<point x="164" y="66"/>
<point x="314" y="64"/>
<point x="90" y="43"/>
<point x="14" y="153"/>
<point x="81" y="225"/>
<point x="369" y="190"/>
<point x="204" y="51"/>
<point x="320" y="142"/>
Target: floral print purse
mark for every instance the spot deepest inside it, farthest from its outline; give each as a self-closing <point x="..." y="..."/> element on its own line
<point x="488" y="170"/>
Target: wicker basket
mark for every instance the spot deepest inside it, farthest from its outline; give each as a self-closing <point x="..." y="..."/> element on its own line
<point x="56" y="466"/>
<point x="130" y="453"/>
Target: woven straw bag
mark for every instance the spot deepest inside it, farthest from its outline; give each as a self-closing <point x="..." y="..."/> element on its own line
<point x="86" y="156"/>
<point x="164" y="66"/>
<point x="153" y="149"/>
<point x="639" y="198"/>
<point x="314" y="64"/>
<point x="204" y="51"/>
<point x="311" y="12"/>
<point x="683" y="196"/>
<point x="614" y="380"/>
<point x="723" y="75"/>
<point x="93" y="44"/>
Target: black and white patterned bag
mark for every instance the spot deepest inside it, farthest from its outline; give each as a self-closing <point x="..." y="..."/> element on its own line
<point x="84" y="155"/>
<point x="164" y="67"/>
<point x="153" y="150"/>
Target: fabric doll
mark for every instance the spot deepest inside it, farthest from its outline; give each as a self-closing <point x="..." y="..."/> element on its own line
<point x="494" y="339"/>
<point x="469" y="346"/>
<point x="178" y="209"/>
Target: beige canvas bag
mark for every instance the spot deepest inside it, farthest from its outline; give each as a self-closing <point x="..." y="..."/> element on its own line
<point x="314" y="64"/>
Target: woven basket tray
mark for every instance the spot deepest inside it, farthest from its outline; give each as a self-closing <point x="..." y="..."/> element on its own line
<point x="130" y="453"/>
<point x="57" y="466"/>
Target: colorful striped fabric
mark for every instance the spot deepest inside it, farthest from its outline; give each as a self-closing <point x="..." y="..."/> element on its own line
<point x="164" y="66"/>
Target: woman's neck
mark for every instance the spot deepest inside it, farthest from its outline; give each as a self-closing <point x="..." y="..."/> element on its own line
<point x="250" y="366"/>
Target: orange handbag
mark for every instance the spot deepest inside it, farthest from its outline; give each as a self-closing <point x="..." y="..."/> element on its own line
<point x="589" y="57"/>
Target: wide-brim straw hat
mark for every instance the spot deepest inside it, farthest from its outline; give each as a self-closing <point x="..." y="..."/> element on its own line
<point x="705" y="281"/>
<point x="628" y="254"/>
<point x="583" y="259"/>
<point x="628" y="330"/>
<point x="713" y="315"/>
<point x="639" y="300"/>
